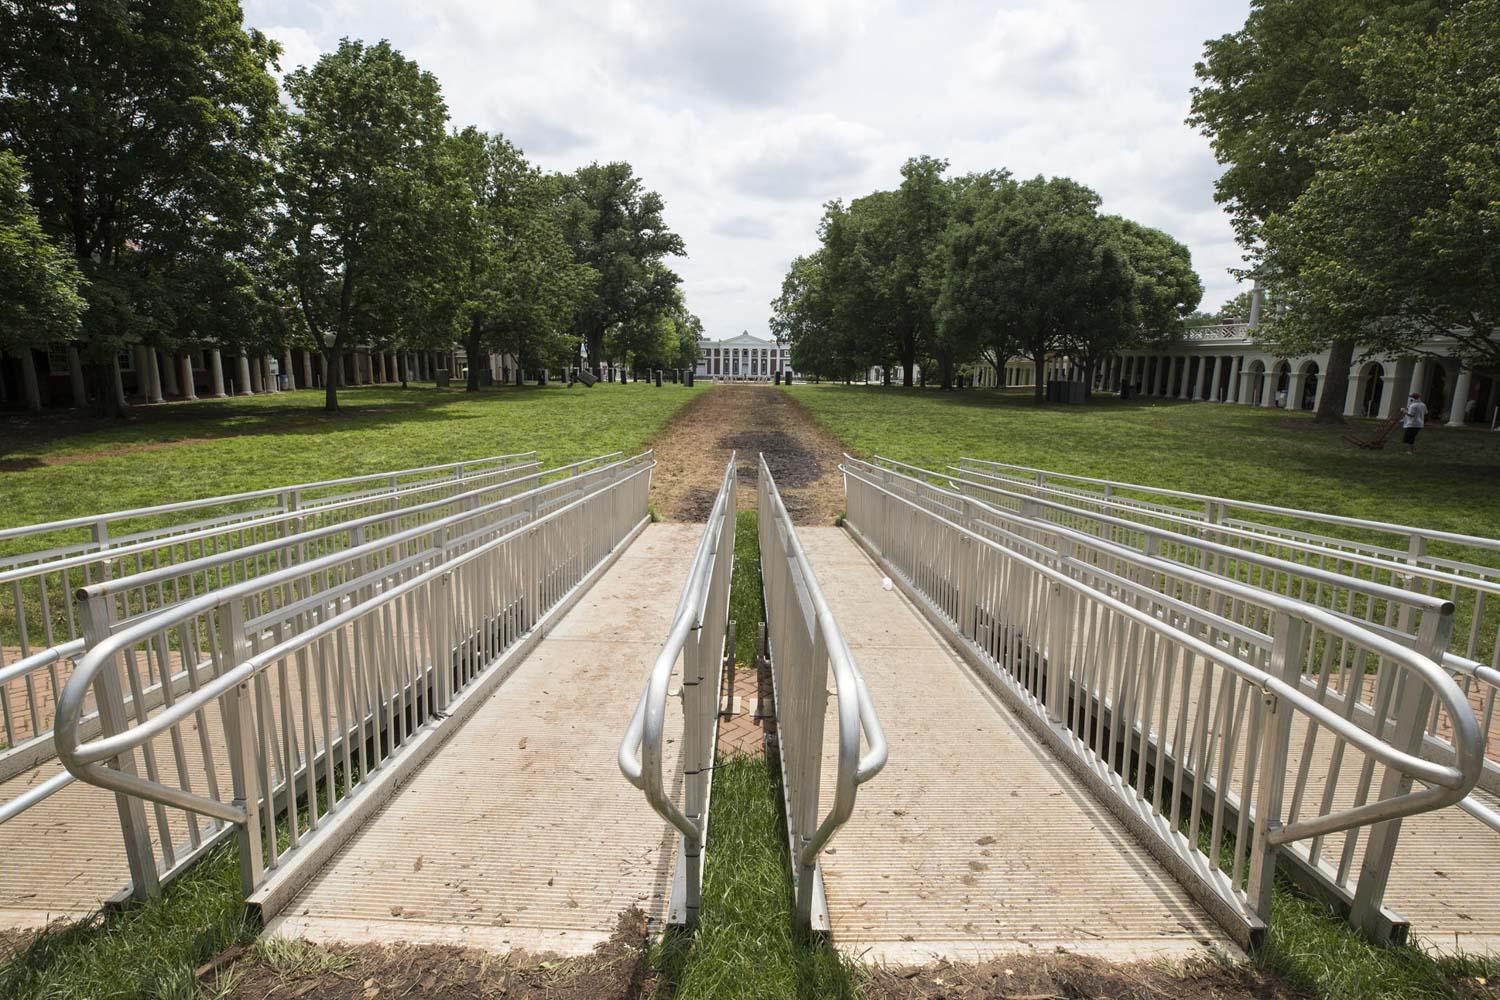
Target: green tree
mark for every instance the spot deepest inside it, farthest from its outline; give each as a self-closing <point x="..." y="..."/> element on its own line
<point x="39" y="297"/>
<point x="1394" y="236"/>
<point x="510" y="281"/>
<point x="616" y="227"/>
<point x="147" y="128"/>
<point x="801" y="318"/>
<point x="1272" y="95"/>
<point x="358" y="189"/>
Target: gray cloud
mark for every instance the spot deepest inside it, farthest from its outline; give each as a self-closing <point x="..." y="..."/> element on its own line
<point x="744" y="227"/>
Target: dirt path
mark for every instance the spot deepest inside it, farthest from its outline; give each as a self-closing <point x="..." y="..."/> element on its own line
<point x="750" y="419"/>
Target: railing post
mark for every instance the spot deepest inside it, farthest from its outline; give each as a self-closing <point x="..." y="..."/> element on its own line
<point x="442" y="631"/>
<point x="1276" y="733"/>
<point x="1413" y="703"/>
<point x="967" y="583"/>
<point x="813" y="681"/>
<point x="241" y="736"/>
<point x="95" y="612"/>
<point x="697" y="757"/>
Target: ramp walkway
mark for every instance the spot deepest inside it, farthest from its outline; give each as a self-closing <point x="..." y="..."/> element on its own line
<point x="519" y="832"/>
<point x="975" y="842"/>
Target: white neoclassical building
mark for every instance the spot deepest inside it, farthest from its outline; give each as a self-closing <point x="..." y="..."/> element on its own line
<point x="743" y="359"/>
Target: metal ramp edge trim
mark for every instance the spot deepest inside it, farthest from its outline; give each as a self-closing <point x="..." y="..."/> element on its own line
<point x="284" y="882"/>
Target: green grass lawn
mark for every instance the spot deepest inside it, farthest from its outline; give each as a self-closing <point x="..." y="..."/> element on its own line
<point x="1272" y="456"/>
<point x="55" y="466"/>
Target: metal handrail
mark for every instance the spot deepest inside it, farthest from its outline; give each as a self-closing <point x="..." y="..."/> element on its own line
<point x="93" y="520"/>
<point x="1457" y="706"/>
<point x="287" y="552"/>
<point x="855" y="707"/>
<point x="1032" y="668"/>
<point x="250" y="754"/>
<point x="701" y="618"/>
<point x="1472" y="541"/>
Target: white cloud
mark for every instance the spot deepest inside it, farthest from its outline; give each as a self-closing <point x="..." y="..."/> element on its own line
<point x="747" y="117"/>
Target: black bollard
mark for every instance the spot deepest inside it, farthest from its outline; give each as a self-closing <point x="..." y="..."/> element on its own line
<point x="690" y="374"/>
<point x="658" y="378"/>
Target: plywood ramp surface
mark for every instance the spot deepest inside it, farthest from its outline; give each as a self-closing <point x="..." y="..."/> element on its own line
<point x="974" y="842"/>
<point x="520" y="832"/>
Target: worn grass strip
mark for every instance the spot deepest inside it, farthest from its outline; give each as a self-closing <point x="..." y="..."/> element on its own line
<point x="746" y="603"/>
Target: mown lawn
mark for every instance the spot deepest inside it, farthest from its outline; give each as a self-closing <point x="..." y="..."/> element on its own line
<point x="1272" y="456"/>
<point x="54" y="466"/>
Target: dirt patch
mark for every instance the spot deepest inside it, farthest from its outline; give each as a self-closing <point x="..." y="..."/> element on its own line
<point x="752" y="420"/>
<point x="1063" y="977"/>
<point x="615" y="969"/>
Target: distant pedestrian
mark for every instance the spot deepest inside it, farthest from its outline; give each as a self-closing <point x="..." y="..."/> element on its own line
<point x="1412" y="419"/>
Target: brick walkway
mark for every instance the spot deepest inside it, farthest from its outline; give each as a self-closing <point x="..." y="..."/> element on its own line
<point x="744" y="732"/>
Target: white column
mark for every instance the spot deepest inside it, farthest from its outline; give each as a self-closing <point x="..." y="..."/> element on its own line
<point x="153" y="376"/>
<point x="378" y="371"/>
<point x="267" y="377"/>
<point x="1268" y="389"/>
<point x="75" y="378"/>
<point x="307" y="378"/>
<point x="1460" y="398"/>
<point x="169" y="375"/>
<point x="29" y="385"/>
<point x="1354" y="396"/>
<point x="1237" y="380"/>
<point x="290" y="369"/>
<point x="1256" y="294"/>
<point x="189" y="391"/>
<point x="1202" y="379"/>
<point x="247" y="383"/>
<point x="1186" y="391"/>
<point x="1418" y="381"/>
<point x="117" y="382"/>
<point x="323" y="368"/>
<point x="216" y="370"/>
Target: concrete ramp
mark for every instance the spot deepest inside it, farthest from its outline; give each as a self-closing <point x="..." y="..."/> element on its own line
<point x="520" y="832"/>
<point x="974" y="842"/>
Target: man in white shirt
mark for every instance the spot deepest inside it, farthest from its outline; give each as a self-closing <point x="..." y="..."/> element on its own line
<point x="1412" y="419"/>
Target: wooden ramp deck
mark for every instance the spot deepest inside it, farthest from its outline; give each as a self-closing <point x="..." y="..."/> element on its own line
<point x="974" y="842"/>
<point x="520" y="831"/>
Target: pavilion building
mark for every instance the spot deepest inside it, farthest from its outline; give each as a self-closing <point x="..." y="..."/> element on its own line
<point x="743" y="359"/>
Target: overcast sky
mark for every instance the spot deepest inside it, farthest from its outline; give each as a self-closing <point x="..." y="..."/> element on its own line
<point x="748" y="116"/>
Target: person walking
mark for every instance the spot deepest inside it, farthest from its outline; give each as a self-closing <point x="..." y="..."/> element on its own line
<point x="1412" y="420"/>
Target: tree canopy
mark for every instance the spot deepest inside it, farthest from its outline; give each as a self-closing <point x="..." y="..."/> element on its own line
<point x="39" y="281"/>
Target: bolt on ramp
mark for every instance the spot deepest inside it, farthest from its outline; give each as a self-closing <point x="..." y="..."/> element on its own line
<point x="519" y="833"/>
<point x="975" y="842"/>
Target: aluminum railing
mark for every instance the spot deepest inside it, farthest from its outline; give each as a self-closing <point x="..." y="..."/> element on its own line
<point x="36" y="586"/>
<point x="1345" y="582"/>
<point x="281" y="601"/>
<point x="1439" y="563"/>
<point x="696" y="640"/>
<point x="1225" y="612"/>
<point x="1191" y="745"/>
<point x="805" y="647"/>
<point x="288" y="738"/>
<point x="30" y="685"/>
<point x="137" y="524"/>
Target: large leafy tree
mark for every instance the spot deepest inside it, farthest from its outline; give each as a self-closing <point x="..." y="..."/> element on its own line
<point x="146" y="127"/>
<point x="1395" y="234"/>
<point x="39" y="281"/>
<point x="510" y="277"/>
<point x="1271" y="97"/>
<point x="801" y="318"/>
<point x="358" y="187"/>
<point x="616" y="227"/>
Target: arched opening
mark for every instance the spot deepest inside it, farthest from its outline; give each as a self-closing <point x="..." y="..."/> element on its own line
<point x="1283" y="383"/>
<point x="1372" y="388"/>
<point x="1257" y="388"/>
<point x="1437" y="390"/>
<point x="1309" y="396"/>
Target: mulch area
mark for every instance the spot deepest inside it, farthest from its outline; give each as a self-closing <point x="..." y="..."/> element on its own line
<point x="752" y="420"/>
<point x="1064" y="977"/>
<point x="616" y="970"/>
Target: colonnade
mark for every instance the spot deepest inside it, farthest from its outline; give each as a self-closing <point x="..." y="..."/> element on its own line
<point x="158" y="375"/>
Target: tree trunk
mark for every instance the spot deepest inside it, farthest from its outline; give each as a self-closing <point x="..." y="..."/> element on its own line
<point x="908" y="365"/>
<point x="1335" y="383"/>
<point x="110" y="404"/>
<point x="335" y="357"/>
<point x="1088" y="380"/>
<point x="596" y="350"/>
<point x="1039" y="368"/>
<point x="471" y="346"/>
<point x="945" y="371"/>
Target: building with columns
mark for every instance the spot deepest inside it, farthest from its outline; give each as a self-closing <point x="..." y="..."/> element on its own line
<point x="743" y="359"/>
<point x="1226" y="364"/>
